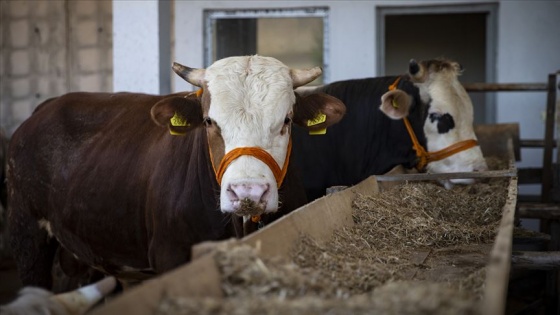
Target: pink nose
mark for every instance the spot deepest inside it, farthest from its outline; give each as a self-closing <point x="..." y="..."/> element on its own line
<point x="252" y="191"/>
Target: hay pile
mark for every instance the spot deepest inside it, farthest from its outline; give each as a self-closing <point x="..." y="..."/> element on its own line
<point x="376" y="265"/>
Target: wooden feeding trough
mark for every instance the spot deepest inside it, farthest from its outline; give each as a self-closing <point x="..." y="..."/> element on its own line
<point x="277" y="269"/>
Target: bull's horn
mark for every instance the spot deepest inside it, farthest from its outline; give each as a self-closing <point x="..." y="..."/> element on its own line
<point x="191" y="75"/>
<point x="302" y="77"/>
<point x="80" y="300"/>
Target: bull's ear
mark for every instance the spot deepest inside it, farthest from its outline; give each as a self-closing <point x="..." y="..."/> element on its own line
<point x="178" y="114"/>
<point x="318" y="111"/>
<point x="396" y="104"/>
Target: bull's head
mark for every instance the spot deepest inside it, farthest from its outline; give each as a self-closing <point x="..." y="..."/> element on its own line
<point x="247" y="106"/>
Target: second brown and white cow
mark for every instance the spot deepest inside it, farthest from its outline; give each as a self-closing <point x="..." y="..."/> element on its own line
<point x="93" y="173"/>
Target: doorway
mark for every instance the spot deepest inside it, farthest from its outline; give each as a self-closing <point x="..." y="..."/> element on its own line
<point x="462" y="33"/>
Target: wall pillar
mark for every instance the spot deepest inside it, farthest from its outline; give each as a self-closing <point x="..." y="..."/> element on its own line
<point x="141" y="46"/>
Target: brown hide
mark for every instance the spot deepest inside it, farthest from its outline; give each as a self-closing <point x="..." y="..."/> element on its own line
<point x="3" y="163"/>
<point x="118" y="191"/>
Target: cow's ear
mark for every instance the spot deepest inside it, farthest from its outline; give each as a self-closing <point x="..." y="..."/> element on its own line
<point x="318" y="111"/>
<point x="396" y="104"/>
<point x="178" y="114"/>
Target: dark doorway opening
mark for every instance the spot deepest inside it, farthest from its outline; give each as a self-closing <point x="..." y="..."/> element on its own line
<point x="458" y="36"/>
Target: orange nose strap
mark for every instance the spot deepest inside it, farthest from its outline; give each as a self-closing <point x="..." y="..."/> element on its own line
<point x="262" y="155"/>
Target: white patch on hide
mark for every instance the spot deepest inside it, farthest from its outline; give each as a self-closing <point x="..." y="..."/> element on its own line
<point x="46" y="225"/>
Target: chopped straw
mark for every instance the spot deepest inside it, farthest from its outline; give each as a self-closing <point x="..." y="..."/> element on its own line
<point x="369" y="266"/>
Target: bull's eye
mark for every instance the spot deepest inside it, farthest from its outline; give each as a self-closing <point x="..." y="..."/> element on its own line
<point x="287" y="120"/>
<point x="207" y="121"/>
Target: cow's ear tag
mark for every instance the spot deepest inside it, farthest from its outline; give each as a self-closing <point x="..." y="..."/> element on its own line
<point x="321" y="118"/>
<point x="178" y="121"/>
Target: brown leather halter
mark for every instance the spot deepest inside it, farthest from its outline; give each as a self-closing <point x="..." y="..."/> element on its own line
<point x="425" y="157"/>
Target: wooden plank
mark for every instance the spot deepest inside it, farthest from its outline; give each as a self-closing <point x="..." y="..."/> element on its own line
<point x="200" y="278"/>
<point x="444" y="176"/>
<point x="535" y="260"/>
<point x="533" y="143"/>
<point x="548" y="139"/>
<point x="318" y="219"/>
<point x="539" y="210"/>
<point x="505" y="87"/>
<point x="492" y="139"/>
<point x="497" y="271"/>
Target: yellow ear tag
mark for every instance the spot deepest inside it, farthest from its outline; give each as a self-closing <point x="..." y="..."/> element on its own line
<point x="178" y="121"/>
<point x="321" y="118"/>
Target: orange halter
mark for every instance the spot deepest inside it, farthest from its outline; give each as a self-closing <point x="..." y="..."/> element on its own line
<point x="425" y="157"/>
<point x="262" y="155"/>
<point x="259" y="153"/>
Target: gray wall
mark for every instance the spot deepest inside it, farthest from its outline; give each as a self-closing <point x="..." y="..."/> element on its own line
<point x="49" y="48"/>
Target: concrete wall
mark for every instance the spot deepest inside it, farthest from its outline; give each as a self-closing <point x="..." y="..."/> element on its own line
<point x="528" y="50"/>
<point x="49" y="48"/>
<point x="142" y="26"/>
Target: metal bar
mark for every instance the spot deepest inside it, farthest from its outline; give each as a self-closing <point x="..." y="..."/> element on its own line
<point x="546" y="186"/>
<point x="505" y="87"/>
<point x="443" y="176"/>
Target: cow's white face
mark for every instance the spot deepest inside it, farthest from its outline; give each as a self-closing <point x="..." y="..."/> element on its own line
<point x="450" y="117"/>
<point x="251" y="103"/>
<point x="247" y="107"/>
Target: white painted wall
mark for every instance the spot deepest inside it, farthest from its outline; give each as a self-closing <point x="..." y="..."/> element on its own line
<point x="139" y="46"/>
<point x="528" y="50"/>
<point x="352" y="32"/>
<point x="350" y="55"/>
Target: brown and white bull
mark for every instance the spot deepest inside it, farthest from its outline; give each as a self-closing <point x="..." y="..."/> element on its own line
<point x="425" y="121"/>
<point x="93" y="173"/>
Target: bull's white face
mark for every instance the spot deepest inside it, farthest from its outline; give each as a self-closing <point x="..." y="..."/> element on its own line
<point x="248" y="108"/>
<point x="251" y="100"/>
<point x="449" y="119"/>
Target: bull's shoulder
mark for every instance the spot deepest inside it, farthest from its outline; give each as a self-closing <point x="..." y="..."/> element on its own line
<point x="79" y="105"/>
<point x="87" y="113"/>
